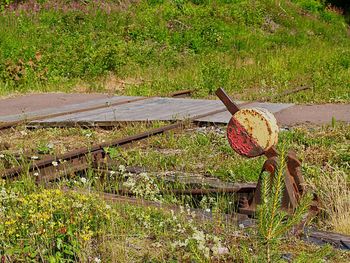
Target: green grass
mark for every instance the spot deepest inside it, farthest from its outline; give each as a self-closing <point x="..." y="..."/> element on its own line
<point x="154" y="47"/>
<point x="125" y="233"/>
<point x="251" y="48"/>
<point x="64" y="226"/>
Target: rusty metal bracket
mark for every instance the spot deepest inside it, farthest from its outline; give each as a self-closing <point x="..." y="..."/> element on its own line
<point x="293" y="184"/>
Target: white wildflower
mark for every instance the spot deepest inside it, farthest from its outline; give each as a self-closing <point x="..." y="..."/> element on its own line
<point x="36" y="174"/>
<point x="34" y="157"/>
<point x="2" y="156"/>
<point x="97" y="260"/>
<point x="50" y="145"/>
<point x="178" y="243"/>
<point x="108" y="206"/>
<point x="122" y="168"/>
<point x="241" y="226"/>
<point x="83" y="180"/>
<point x="199" y="236"/>
<point x="54" y="163"/>
<point x="157" y="244"/>
<point x="218" y="250"/>
<point x="223" y="250"/>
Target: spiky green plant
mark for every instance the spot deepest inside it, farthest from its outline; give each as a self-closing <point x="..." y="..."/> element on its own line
<point x="273" y="222"/>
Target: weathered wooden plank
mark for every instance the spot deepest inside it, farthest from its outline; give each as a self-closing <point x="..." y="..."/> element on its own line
<point x="151" y="109"/>
<point x="159" y="109"/>
<point x="65" y="108"/>
<point x="20" y="104"/>
<point x="224" y="117"/>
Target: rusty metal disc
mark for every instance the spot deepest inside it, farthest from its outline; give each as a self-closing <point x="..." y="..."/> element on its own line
<point x="252" y="131"/>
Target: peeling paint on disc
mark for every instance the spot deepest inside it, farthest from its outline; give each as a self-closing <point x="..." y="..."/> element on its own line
<point x="252" y="131"/>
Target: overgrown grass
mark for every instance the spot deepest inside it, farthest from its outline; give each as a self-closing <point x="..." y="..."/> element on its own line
<point x="124" y="233"/>
<point x="60" y="225"/>
<point x="154" y="47"/>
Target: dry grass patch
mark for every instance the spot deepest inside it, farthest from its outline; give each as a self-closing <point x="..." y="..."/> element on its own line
<point x="333" y="190"/>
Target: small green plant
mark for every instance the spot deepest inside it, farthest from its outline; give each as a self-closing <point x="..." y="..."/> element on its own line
<point x="273" y="222"/>
<point x="214" y="76"/>
<point x="45" y="148"/>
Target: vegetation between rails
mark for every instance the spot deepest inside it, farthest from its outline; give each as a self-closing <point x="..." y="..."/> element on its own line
<point x="166" y="236"/>
<point x="154" y="47"/>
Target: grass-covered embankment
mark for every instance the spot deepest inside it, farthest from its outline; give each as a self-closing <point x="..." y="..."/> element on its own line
<point x="252" y="49"/>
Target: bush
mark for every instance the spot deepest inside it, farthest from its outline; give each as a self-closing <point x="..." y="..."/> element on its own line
<point x="49" y="224"/>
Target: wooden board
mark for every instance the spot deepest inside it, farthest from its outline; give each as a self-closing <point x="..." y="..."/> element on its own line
<point x="63" y="108"/>
<point x="157" y="108"/>
<point x="149" y="109"/>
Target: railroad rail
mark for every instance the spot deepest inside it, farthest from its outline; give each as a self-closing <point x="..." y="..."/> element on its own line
<point x="309" y="235"/>
<point x="54" y="167"/>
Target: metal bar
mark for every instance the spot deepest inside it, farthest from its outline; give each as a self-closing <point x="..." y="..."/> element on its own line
<point x="337" y="240"/>
<point x="199" y="213"/>
<point x="228" y="102"/>
<point x="285" y="93"/>
<point x="181" y="93"/>
<point x="239" y="188"/>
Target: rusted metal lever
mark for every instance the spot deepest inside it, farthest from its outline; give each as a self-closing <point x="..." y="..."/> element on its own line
<point x="293" y="184"/>
<point x="242" y="134"/>
<point x="227" y="101"/>
<point x="232" y="107"/>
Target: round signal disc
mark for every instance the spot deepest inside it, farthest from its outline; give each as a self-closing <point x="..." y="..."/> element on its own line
<point x="252" y="131"/>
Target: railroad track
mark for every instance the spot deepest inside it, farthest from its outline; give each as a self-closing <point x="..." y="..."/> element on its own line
<point x="308" y="234"/>
<point x="54" y="167"/>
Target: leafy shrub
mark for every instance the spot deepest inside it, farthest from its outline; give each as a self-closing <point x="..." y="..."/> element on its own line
<point x="214" y="76"/>
<point x="169" y="43"/>
<point x="314" y="6"/>
<point x="49" y="224"/>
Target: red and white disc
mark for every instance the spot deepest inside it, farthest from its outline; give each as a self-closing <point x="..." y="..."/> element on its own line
<point x="252" y="131"/>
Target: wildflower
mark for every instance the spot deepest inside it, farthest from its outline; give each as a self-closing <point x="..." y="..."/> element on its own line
<point x="34" y="157"/>
<point x="108" y="206"/>
<point x="97" y="260"/>
<point x="2" y="156"/>
<point x="50" y="145"/>
<point x="157" y="244"/>
<point x="222" y="250"/>
<point x="122" y="168"/>
<point x="36" y="174"/>
<point x="83" y="180"/>
<point x="54" y="163"/>
<point x="241" y="226"/>
<point x="207" y="210"/>
<point x="218" y="249"/>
